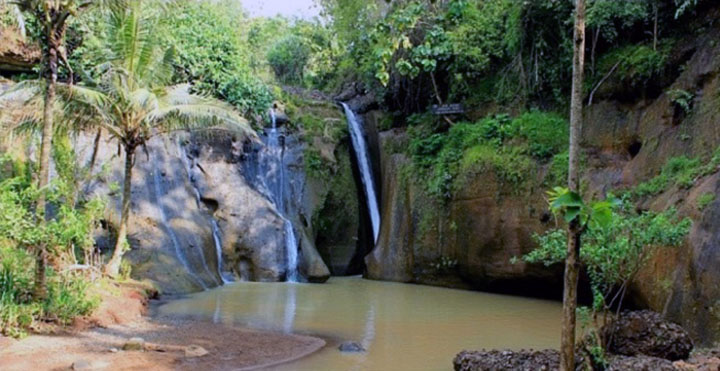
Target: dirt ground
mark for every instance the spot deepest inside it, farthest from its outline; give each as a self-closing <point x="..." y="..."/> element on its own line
<point x="96" y="343"/>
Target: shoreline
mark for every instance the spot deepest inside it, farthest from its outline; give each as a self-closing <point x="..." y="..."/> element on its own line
<point x="96" y="342"/>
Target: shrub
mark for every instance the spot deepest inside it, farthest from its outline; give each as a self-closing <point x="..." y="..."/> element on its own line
<point x="682" y="99"/>
<point x="705" y="200"/>
<point x="679" y="171"/>
<point x="67" y="296"/>
<point x="546" y="133"/>
<point x="288" y="59"/>
<point x="637" y="65"/>
<point x="613" y="253"/>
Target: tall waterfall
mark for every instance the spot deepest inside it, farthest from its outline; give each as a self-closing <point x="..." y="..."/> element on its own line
<point x="270" y="179"/>
<point x="363" y="159"/>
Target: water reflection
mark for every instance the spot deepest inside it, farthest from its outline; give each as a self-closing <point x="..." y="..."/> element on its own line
<point x="401" y="326"/>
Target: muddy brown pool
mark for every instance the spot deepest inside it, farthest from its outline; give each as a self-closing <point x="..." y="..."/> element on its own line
<point x="402" y="326"/>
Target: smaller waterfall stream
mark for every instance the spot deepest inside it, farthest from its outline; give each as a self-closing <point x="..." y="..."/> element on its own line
<point x="173" y="238"/>
<point x="363" y="158"/>
<point x="270" y="180"/>
<point x="215" y="228"/>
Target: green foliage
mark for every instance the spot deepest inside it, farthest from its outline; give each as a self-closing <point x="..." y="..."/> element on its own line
<point x="211" y="53"/>
<point x="67" y="295"/>
<point x="705" y="200"/>
<point x="498" y="143"/>
<point x="682" y="99"/>
<point x="315" y="166"/>
<point x="614" y="251"/>
<point x="288" y="58"/>
<point x="70" y="229"/>
<point x="611" y="17"/>
<point x="679" y="171"/>
<point x="637" y="65"/>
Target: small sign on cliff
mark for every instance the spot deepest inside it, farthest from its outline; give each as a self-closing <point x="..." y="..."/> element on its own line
<point x="448" y="109"/>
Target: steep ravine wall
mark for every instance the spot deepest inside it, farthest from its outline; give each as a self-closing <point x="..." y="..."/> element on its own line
<point x="626" y="142"/>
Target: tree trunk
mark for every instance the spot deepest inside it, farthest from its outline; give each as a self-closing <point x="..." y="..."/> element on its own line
<point x="113" y="266"/>
<point x="40" y="289"/>
<point x="96" y="147"/>
<point x="572" y="264"/>
<point x="655" y="26"/>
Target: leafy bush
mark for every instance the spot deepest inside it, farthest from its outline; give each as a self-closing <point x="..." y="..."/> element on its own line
<point x="682" y="99"/>
<point x="67" y="296"/>
<point x="546" y="133"/>
<point x="70" y="229"/>
<point x="249" y="95"/>
<point x="637" y="65"/>
<point x="705" y="200"/>
<point x="288" y="59"/>
<point x="678" y="171"/>
<point x="498" y="143"/>
<point x="613" y="253"/>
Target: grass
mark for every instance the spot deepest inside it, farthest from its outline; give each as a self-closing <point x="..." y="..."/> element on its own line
<point x="681" y="172"/>
<point x="705" y="200"/>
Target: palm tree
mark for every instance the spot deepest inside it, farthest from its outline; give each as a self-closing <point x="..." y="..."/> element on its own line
<point x="572" y="262"/>
<point x="131" y="99"/>
<point x="53" y="16"/>
<point x="133" y="103"/>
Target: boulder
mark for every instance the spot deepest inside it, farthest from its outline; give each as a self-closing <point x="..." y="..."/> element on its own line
<point x="507" y="360"/>
<point x="351" y="347"/>
<point x="134" y="344"/>
<point x="311" y="264"/>
<point x="639" y="363"/>
<point x="195" y="351"/>
<point x="81" y="365"/>
<point x="647" y="333"/>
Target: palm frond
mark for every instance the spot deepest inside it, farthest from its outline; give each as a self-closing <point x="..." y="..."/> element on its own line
<point x="180" y="110"/>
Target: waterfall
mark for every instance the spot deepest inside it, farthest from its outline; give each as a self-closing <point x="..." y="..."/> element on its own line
<point x="173" y="238"/>
<point x="270" y="180"/>
<point x="363" y="159"/>
<point x="291" y="248"/>
<point x="215" y="228"/>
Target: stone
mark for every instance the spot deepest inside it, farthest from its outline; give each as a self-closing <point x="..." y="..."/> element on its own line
<point x="81" y="365"/>
<point x="639" y="363"/>
<point x="134" y="344"/>
<point x="647" y="333"/>
<point x="507" y="360"/>
<point x="195" y="351"/>
<point x="351" y="347"/>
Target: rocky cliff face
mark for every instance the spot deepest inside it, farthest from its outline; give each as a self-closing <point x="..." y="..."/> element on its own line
<point x="182" y="185"/>
<point x="469" y="242"/>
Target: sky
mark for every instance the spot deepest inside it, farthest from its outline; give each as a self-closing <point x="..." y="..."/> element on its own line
<point x="289" y="8"/>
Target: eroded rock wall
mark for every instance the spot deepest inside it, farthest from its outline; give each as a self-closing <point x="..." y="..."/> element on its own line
<point x="470" y="241"/>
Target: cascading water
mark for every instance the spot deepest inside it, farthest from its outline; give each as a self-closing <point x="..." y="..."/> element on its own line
<point x="215" y="228"/>
<point x="173" y="238"/>
<point x="270" y="180"/>
<point x="363" y="159"/>
<point x="291" y="249"/>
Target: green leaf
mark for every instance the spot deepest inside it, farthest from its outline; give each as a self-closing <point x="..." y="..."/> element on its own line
<point x="571" y="213"/>
<point x="567" y="200"/>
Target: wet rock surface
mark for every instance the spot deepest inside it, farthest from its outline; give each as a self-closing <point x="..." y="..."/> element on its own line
<point x="640" y="363"/>
<point x="647" y="333"/>
<point x="351" y="347"/>
<point x="507" y="360"/>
